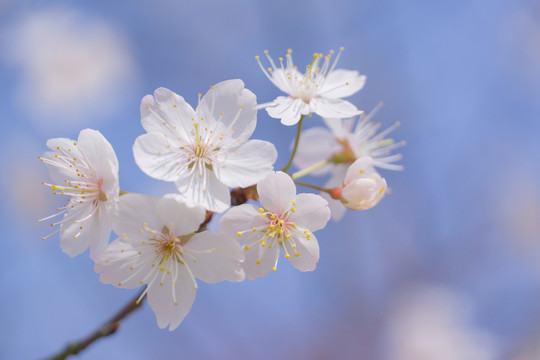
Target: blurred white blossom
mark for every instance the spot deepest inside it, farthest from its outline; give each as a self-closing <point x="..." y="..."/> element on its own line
<point x="431" y="323"/>
<point x="73" y="70"/>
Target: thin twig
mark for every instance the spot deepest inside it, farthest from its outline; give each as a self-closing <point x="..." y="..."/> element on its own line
<point x="297" y="140"/>
<point x="105" y="330"/>
<point x="320" y="188"/>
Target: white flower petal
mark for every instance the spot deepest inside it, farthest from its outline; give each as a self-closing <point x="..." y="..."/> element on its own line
<point x="95" y="233"/>
<point x="259" y="260"/>
<point x="306" y="254"/>
<point x="156" y="159"/>
<point x="169" y="210"/>
<point x="204" y="190"/>
<point x="121" y="264"/>
<point x="96" y="150"/>
<point x="214" y="258"/>
<point x="337" y="127"/>
<point x="276" y="191"/>
<point x="163" y="295"/>
<point x="287" y="109"/>
<point x="364" y="193"/>
<point x="237" y="104"/>
<point x="311" y="213"/>
<point x="167" y="113"/>
<point x="316" y="144"/>
<point x="241" y="218"/>
<point x="342" y="83"/>
<point x="333" y="108"/>
<point x="60" y="174"/>
<point x="134" y="210"/>
<point x="362" y="167"/>
<point x="247" y="164"/>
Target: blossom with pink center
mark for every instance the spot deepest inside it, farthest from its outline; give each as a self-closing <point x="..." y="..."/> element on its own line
<point x="207" y="150"/>
<point x="86" y="171"/>
<point x="157" y="247"/>
<point x="285" y="221"/>
<point x="319" y="90"/>
<point x="346" y="140"/>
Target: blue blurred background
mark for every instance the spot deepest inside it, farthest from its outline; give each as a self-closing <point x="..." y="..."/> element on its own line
<point x="446" y="267"/>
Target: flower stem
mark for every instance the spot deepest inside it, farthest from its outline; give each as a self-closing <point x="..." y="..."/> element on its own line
<point x="105" y="330"/>
<point x="320" y="188"/>
<point x="298" y="131"/>
<point x="310" y="169"/>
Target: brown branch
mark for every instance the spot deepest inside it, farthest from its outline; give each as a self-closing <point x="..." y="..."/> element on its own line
<point x="107" y="329"/>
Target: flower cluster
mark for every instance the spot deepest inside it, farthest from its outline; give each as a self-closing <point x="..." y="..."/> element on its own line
<point x="162" y="243"/>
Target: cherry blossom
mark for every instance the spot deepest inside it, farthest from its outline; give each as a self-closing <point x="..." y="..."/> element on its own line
<point x="284" y="221"/>
<point x="319" y="90"/>
<point x="86" y="171"/>
<point x="363" y="187"/>
<point x="340" y="144"/>
<point x="157" y="247"/>
<point x="204" y="151"/>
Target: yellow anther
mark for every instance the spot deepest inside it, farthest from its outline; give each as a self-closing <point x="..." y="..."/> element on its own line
<point x="257" y="57"/>
<point x="246" y="247"/>
<point x="211" y="87"/>
<point x="119" y="284"/>
<point x="258" y="261"/>
<point x="107" y="260"/>
<point x="140" y="230"/>
<point x="254" y="229"/>
<point x="297" y="254"/>
<point x="274" y="268"/>
<point x="270" y="246"/>
<point x="131" y="268"/>
<point x="294" y="203"/>
<point x="287" y="236"/>
<point x="123" y="234"/>
<point x="174" y="105"/>
<point x="213" y="250"/>
<point x="175" y="303"/>
<point x="287" y="256"/>
<point x="148" y="106"/>
<point x="361" y="171"/>
<point x="239" y="233"/>
<point x="261" y="210"/>
<point x="381" y="190"/>
<point x="160" y="284"/>
<point x="266" y="51"/>
<point x="269" y="69"/>
<point x="293" y="210"/>
<point x="342" y="48"/>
